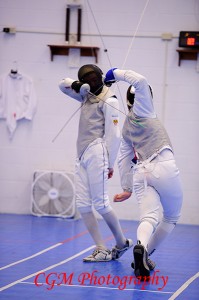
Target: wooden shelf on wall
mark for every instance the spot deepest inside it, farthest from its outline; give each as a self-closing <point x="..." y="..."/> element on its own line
<point x="64" y="50"/>
<point x="188" y="54"/>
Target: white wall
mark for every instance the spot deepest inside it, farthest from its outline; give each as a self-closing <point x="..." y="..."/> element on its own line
<point x="176" y="89"/>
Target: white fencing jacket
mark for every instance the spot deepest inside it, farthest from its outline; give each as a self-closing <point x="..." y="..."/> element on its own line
<point x="142" y="131"/>
<point x="98" y="119"/>
<point x="17" y="99"/>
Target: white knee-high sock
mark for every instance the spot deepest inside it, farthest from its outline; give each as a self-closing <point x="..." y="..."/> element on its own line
<point x="160" y="234"/>
<point x="144" y="232"/>
<point x="114" y="225"/>
<point x="93" y="228"/>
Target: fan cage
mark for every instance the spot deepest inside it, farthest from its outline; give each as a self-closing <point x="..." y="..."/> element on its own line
<point x="35" y="209"/>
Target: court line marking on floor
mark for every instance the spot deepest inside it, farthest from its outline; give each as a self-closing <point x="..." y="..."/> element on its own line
<point x="46" y="269"/>
<point x="184" y="286"/>
<point x="43" y="251"/>
<point x="48" y="249"/>
<point x="102" y="287"/>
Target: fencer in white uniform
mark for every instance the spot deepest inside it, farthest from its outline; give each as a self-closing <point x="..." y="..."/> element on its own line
<point x="97" y="148"/>
<point x="155" y="177"/>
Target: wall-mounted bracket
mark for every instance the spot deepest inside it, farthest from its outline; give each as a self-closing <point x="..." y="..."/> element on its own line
<point x="70" y="41"/>
<point x="187" y="53"/>
<point x="64" y="50"/>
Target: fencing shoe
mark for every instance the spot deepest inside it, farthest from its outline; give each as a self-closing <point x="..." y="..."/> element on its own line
<point x="117" y="253"/>
<point x="141" y="268"/>
<point x="151" y="264"/>
<point x="99" y="255"/>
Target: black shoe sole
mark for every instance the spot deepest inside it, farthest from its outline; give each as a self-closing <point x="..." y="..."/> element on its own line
<point x="151" y="264"/>
<point x="141" y="268"/>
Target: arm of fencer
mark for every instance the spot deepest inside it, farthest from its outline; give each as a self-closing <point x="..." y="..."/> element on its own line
<point x="125" y="165"/>
<point x="65" y="86"/>
<point x="143" y="103"/>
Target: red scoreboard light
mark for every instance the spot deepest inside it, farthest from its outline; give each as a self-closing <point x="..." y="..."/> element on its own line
<point x="189" y="39"/>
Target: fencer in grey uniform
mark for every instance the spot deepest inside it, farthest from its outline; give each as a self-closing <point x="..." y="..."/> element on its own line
<point x="97" y="148"/>
<point x="155" y="177"/>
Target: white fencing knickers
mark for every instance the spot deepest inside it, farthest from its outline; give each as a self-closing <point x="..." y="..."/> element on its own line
<point x="92" y="178"/>
<point x="157" y="181"/>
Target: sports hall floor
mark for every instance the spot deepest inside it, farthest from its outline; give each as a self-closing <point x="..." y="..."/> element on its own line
<point x="37" y="252"/>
